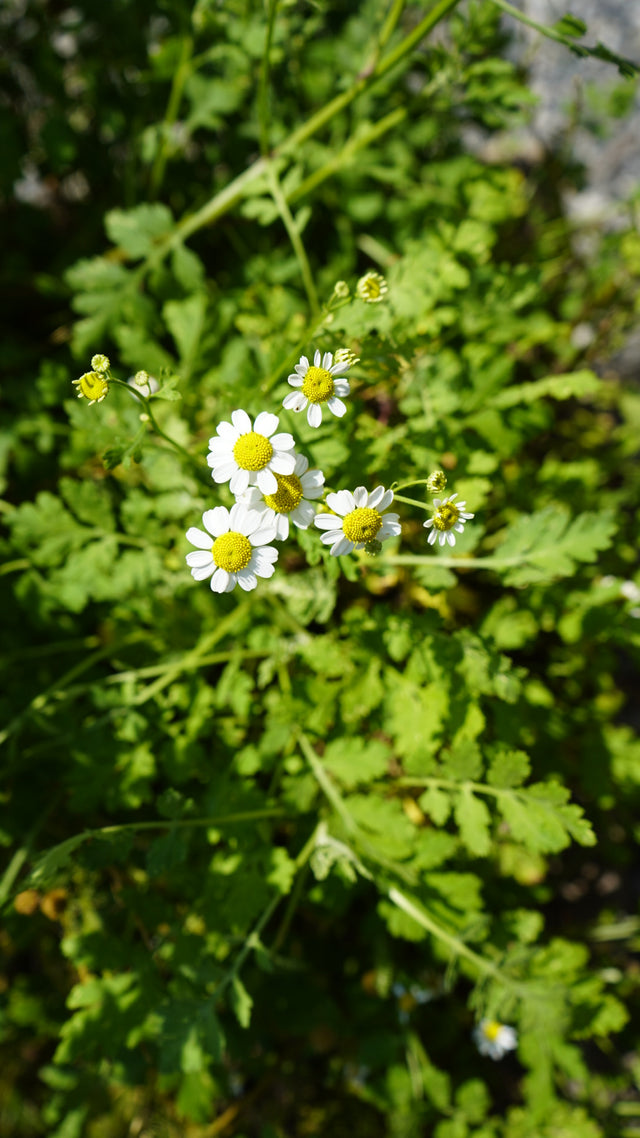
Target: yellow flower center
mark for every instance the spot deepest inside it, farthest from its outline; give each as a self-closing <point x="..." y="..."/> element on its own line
<point x="318" y="385"/>
<point x="446" y="517"/>
<point x="288" y="495"/>
<point x="492" y="1030"/>
<point x="92" y="385"/>
<point x="252" y="451"/>
<point x="231" y="551"/>
<point x="361" y="524"/>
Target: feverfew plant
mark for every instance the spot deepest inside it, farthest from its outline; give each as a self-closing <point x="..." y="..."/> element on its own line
<point x="306" y="832"/>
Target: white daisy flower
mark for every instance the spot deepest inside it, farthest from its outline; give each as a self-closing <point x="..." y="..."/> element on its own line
<point x="360" y="520"/>
<point x="449" y="516"/>
<point x="292" y="500"/>
<point x="317" y="386"/>
<point x="243" y="455"/>
<point x="240" y="550"/>
<point x="494" y="1039"/>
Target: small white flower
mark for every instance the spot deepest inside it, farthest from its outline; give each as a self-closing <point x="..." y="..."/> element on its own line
<point x="449" y="516"/>
<point x="240" y="550"/>
<point x="494" y="1039"/>
<point x="243" y="455"/>
<point x="292" y="500"/>
<point x="360" y="519"/>
<point x="317" y="386"/>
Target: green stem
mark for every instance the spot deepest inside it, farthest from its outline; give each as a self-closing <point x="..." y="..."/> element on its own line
<point x="295" y="239"/>
<point x="222" y="202"/>
<point x="263" y="88"/>
<point x="411" y="501"/>
<point x="544" y="30"/>
<point x="193" y="462"/>
<point x="180" y="76"/>
<point x="457" y="946"/>
<point x="191" y="659"/>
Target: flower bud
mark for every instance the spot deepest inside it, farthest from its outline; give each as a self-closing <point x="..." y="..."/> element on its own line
<point x="100" y="363"/>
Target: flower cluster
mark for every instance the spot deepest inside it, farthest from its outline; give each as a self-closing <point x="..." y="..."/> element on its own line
<point x="274" y="488"/>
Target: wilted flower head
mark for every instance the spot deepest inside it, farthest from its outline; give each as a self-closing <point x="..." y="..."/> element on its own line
<point x="92" y="386"/>
<point x="371" y="288"/>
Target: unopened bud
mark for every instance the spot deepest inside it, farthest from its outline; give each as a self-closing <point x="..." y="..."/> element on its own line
<point x="100" y="363"/>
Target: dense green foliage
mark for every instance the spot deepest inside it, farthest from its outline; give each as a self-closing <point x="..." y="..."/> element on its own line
<point x="271" y="856"/>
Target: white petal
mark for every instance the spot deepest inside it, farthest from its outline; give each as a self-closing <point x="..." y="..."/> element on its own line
<point x="294" y="401"/>
<point x="267" y="481"/>
<point x="458" y="527"/>
<point x="316" y="358"/>
<point x="283" y="462"/>
<point x="312" y="482"/>
<point x="220" y="581"/>
<point x="295" y="380"/>
<point x="225" y="473"/>
<point x="241" y="421"/>
<point x="239" y="516"/>
<point x="239" y="482"/>
<point x="466" y="517"/>
<point x="314" y="414"/>
<point x="226" y="431"/>
<point x="342" y="502"/>
<point x="266" y="424"/>
<point x="283" y="441"/>
<point x="198" y="558"/>
<point x="302" y="367"/>
<point x="202" y="572"/>
<point x="303" y="515"/>
<point x="199" y="537"/>
<point x="386" y="500"/>
<point x="264" y="570"/>
<point x="301" y="465"/>
<point x="331" y="537"/>
<point x="450" y="538"/>
<point x="282" y="527"/>
<point x="265" y="555"/>
<point x="336" y="406"/>
<point x="327" y="360"/>
<point x="428" y="523"/>
<point x="389" y="529"/>
<point x="360" y="496"/>
<point x="432" y="537"/>
<point x="437" y="503"/>
<point x="216" y="521"/>
<point x="341" y="387"/>
<point x="327" y="521"/>
<point x="222" y="447"/>
<point x="264" y="535"/>
<point x="342" y="546"/>
<point x="247" y="580"/>
<point x="337" y="368"/>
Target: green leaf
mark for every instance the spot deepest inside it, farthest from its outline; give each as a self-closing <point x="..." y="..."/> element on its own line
<point x="541" y="819"/>
<point x="548" y="544"/>
<point x="474" y="821"/>
<point x="355" y="761"/>
<point x="578" y="384"/>
<point x="185" y="321"/>
<point x="241" y="1001"/>
<point x="508" y="768"/>
<point x="48" y="867"/>
<point x="437" y="804"/>
<point x="569" y="25"/>
<point x="137" y="230"/>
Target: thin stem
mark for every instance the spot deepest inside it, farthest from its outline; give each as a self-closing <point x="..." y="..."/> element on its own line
<point x="222" y="202"/>
<point x="263" y="89"/>
<point x="180" y="76"/>
<point x="411" y="501"/>
<point x="192" y="658"/>
<point x="293" y="232"/>
<point x="386" y="32"/>
<point x="412" y="482"/>
<point x="198" y="469"/>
